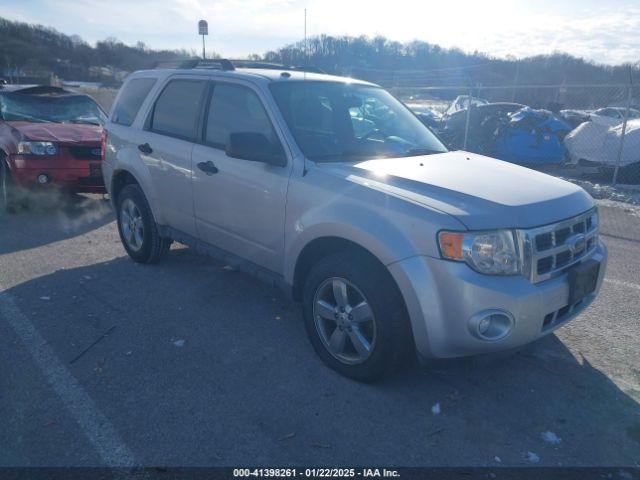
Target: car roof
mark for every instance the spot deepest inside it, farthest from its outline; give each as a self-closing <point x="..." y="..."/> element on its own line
<point x="267" y="75"/>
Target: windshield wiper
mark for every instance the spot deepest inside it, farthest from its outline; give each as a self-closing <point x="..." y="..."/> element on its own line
<point x="84" y="122"/>
<point x="351" y="156"/>
<point x="340" y="157"/>
<point x="415" y="152"/>
<point x="31" y="118"/>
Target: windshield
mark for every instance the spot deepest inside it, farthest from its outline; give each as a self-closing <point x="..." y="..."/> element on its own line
<point x="337" y="122"/>
<point x="17" y="106"/>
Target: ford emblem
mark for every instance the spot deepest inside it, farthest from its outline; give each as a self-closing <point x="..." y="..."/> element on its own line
<point x="576" y="243"/>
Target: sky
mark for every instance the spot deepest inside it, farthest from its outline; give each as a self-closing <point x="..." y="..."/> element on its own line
<point x="602" y="31"/>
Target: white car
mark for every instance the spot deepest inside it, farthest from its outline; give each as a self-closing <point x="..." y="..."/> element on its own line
<point x="462" y="102"/>
<point x="599" y="145"/>
<point x="612" y="116"/>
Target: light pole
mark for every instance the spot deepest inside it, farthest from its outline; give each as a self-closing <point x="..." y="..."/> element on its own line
<point x="203" y="29"/>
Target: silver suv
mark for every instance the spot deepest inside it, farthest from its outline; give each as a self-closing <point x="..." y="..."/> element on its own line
<point x="332" y="189"/>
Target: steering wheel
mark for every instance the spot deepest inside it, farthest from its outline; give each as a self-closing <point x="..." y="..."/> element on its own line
<point x="375" y="131"/>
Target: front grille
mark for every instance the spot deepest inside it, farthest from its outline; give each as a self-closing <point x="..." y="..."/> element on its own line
<point x="95" y="176"/>
<point x="85" y="152"/>
<point x="95" y="170"/>
<point x="554" y="319"/>
<point x="551" y="249"/>
<point x="545" y="264"/>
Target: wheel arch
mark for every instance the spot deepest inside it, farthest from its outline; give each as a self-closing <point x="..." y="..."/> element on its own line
<point x="320" y="248"/>
<point x="122" y="177"/>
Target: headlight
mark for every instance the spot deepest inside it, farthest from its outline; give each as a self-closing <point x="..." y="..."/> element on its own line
<point x="491" y="253"/>
<point x="595" y="222"/>
<point x="37" y="148"/>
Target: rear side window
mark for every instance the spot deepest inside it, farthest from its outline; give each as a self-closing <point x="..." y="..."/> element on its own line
<point x="177" y="108"/>
<point x="130" y="101"/>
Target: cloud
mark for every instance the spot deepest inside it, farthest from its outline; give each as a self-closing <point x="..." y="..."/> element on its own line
<point x="603" y="35"/>
<point x="606" y="34"/>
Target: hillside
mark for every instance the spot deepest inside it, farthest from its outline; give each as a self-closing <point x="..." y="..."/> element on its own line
<point x="39" y="50"/>
<point x="36" y="50"/>
<point x="419" y="63"/>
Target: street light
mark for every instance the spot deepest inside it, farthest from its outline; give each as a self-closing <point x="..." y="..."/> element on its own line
<point x="203" y="29"/>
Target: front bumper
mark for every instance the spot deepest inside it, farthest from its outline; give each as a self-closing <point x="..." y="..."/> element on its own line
<point x="441" y="296"/>
<point x="73" y="175"/>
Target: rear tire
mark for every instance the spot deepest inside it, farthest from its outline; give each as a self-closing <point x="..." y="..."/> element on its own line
<point x="367" y="282"/>
<point x="137" y="227"/>
<point x="7" y="189"/>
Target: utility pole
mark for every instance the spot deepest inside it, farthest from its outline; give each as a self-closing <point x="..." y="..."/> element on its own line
<point x="515" y="81"/>
<point x="306" y="43"/>
<point x="614" y="181"/>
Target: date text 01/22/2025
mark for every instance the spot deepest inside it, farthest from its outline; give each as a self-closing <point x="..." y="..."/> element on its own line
<point x="316" y="472"/>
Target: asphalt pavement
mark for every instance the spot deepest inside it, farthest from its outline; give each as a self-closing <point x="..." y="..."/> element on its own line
<point x="189" y="363"/>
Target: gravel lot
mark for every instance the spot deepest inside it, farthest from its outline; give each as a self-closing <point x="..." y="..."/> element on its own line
<point x="198" y="365"/>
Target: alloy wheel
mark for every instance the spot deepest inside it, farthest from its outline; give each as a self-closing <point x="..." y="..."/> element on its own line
<point x="132" y="224"/>
<point x="344" y="321"/>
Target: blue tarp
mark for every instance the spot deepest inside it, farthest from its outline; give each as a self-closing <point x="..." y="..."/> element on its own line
<point x="531" y="137"/>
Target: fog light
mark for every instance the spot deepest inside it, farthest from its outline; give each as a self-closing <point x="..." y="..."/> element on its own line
<point x="491" y="325"/>
<point x="43" y="178"/>
<point x="484" y="325"/>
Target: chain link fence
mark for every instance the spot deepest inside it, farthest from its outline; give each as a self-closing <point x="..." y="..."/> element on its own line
<point x="587" y="134"/>
<point x="607" y="149"/>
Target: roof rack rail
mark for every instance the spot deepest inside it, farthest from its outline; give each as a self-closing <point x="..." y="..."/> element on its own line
<point x="219" y="63"/>
<point x="224" y="64"/>
<point x="310" y="69"/>
<point x="214" y="63"/>
<point x="275" y="66"/>
<point x="257" y="64"/>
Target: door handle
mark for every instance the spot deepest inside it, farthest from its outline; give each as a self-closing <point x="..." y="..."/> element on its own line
<point x="208" y="167"/>
<point x="145" y="148"/>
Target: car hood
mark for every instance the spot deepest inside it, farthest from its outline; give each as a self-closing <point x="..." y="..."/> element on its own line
<point x="58" y="132"/>
<point x="481" y="192"/>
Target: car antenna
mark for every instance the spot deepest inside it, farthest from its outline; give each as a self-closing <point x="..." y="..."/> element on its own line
<point x="306" y="46"/>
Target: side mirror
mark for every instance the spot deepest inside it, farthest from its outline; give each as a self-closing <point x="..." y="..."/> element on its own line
<point x="255" y="147"/>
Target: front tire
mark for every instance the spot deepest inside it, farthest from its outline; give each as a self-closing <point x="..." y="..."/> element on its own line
<point x="355" y="316"/>
<point x="137" y="227"/>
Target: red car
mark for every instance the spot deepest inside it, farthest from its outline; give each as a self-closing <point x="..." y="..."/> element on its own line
<point x="49" y="138"/>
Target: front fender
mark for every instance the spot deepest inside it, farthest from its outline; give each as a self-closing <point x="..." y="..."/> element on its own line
<point x="388" y="226"/>
<point x="392" y="233"/>
<point x="387" y="248"/>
